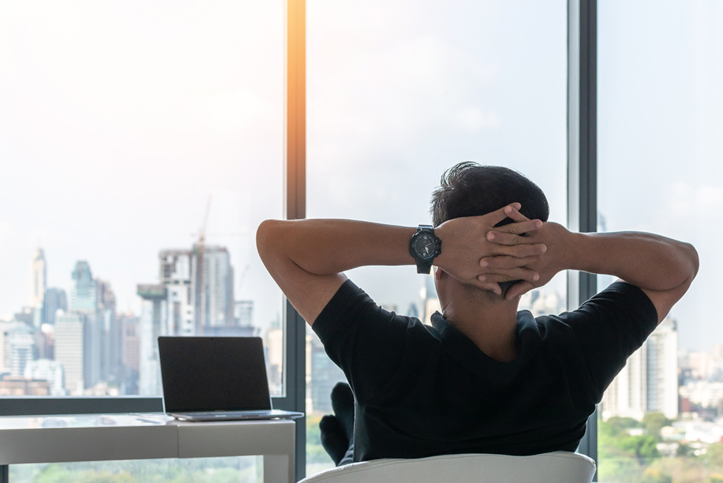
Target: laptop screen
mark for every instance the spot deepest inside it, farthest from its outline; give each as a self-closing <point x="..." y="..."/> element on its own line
<point x="213" y="374"/>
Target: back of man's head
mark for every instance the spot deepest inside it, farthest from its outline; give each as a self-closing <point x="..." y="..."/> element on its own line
<point x="468" y="189"/>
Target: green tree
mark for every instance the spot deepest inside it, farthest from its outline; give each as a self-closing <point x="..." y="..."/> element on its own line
<point x="653" y="423"/>
<point x="656" y="476"/>
<point x="642" y="447"/>
<point x="618" y="425"/>
<point x="713" y="457"/>
<point x="684" y="450"/>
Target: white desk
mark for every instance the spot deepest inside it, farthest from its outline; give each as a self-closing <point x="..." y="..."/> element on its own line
<point x="62" y="439"/>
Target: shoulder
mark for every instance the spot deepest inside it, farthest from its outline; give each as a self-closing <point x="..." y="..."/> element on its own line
<point x="350" y="305"/>
<point x="607" y="329"/>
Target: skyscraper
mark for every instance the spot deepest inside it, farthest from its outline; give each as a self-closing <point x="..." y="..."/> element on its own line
<point x="22" y="348"/>
<point x="69" y="335"/>
<point x="430" y="300"/>
<point x="38" y="278"/>
<point x="215" y="303"/>
<point x="47" y="370"/>
<point x="131" y="353"/>
<point x="154" y="313"/>
<point x="175" y="275"/>
<point x="83" y="291"/>
<point x="95" y="302"/>
<point x="53" y="300"/>
<point x="649" y="380"/>
<point x="662" y="367"/>
<point x="111" y="358"/>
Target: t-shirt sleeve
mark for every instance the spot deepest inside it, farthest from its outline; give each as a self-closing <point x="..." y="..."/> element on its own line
<point x="364" y="340"/>
<point x="609" y="328"/>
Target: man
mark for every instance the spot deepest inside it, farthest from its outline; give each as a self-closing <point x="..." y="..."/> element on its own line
<point x="485" y="378"/>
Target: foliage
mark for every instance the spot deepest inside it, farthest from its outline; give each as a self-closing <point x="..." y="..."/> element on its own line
<point x="642" y="447"/>
<point x="684" y="450"/>
<point x="618" y="424"/>
<point x="201" y="470"/>
<point x="655" y="476"/>
<point x="626" y="458"/>
<point x="713" y="456"/>
<point x="653" y="423"/>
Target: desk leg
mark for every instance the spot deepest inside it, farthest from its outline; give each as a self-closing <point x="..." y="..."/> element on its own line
<point x="278" y="468"/>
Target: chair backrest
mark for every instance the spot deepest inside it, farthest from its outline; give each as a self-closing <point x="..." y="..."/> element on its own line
<point x="557" y="467"/>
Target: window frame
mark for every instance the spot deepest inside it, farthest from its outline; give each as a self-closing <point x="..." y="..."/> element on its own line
<point x="582" y="159"/>
<point x="581" y="216"/>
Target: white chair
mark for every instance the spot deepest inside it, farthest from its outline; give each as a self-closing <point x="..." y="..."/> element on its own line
<point x="557" y="467"/>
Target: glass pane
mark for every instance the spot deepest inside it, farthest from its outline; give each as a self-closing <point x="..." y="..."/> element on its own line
<point x="141" y="146"/>
<point x="245" y="469"/>
<point x="660" y="149"/>
<point x="399" y="92"/>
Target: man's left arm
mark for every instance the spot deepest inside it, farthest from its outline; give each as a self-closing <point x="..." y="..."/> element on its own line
<point x="307" y="258"/>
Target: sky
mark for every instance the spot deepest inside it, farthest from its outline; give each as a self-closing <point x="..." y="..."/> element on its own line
<point x="119" y="120"/>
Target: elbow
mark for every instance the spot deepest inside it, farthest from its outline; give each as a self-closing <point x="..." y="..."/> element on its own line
<point x="694" y="261"/>
<point x="267" y="238"/>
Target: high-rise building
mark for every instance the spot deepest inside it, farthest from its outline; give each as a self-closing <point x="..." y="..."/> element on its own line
<point x="53" y="300"/>
<point x="38" y="278"/>
<point x="324" y="376"/>
<point x="5" y="352"/>
<point x="214" y="299"/>
<point x="189" y="300"/>
<point x="47" y="370"/>
<point x="69" y="345"/>
<point x="92" y="305"/>
<point x="649" y="380"/>
<point x="274" y="345"/>
<point x="430" y="300"/>
<point x="131" y="353"/>
<point x="111" y="335"/>
<point x="243" y="313"/>
<point x="154" y="313"/>
<point x="84" y="290"/>
<point x="175" y="275"/>
<point x="22" y="348"/>
<point x="662" y="367"/>
<point x="46" y="341"/>
<point x="26" y="316"/>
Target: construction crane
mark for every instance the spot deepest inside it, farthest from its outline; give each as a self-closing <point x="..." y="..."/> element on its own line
<point x="200" y="302"/>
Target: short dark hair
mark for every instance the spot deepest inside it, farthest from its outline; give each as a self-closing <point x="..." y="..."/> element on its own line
<point x="469" y="189"/>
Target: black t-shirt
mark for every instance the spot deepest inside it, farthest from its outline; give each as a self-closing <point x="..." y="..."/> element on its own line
<point x="423" y="391"/>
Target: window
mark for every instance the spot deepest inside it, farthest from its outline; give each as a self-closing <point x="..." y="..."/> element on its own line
<point x="142" y="146"/>
<point x="397" y="93"/>
<point x="659" y="76"/>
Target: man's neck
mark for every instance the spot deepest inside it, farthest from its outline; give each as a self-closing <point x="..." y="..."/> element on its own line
<point x="487" y="320"/>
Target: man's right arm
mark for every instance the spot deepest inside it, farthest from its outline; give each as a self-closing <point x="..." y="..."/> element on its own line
<point x="662" y="267"/>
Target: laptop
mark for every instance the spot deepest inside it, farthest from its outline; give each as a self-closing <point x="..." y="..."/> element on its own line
<point x="216" y="379"/>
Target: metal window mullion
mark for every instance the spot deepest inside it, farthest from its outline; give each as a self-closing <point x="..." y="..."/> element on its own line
<point x="35" y="406"/>
<point x="582" y="156"/>
<point x="295" y="209"/>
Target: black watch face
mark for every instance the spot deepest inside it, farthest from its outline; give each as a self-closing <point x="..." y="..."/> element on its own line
<point x="423" y="245"/>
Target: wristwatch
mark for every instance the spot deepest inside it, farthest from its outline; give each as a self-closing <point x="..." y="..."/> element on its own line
<point x="425" y="246"/>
